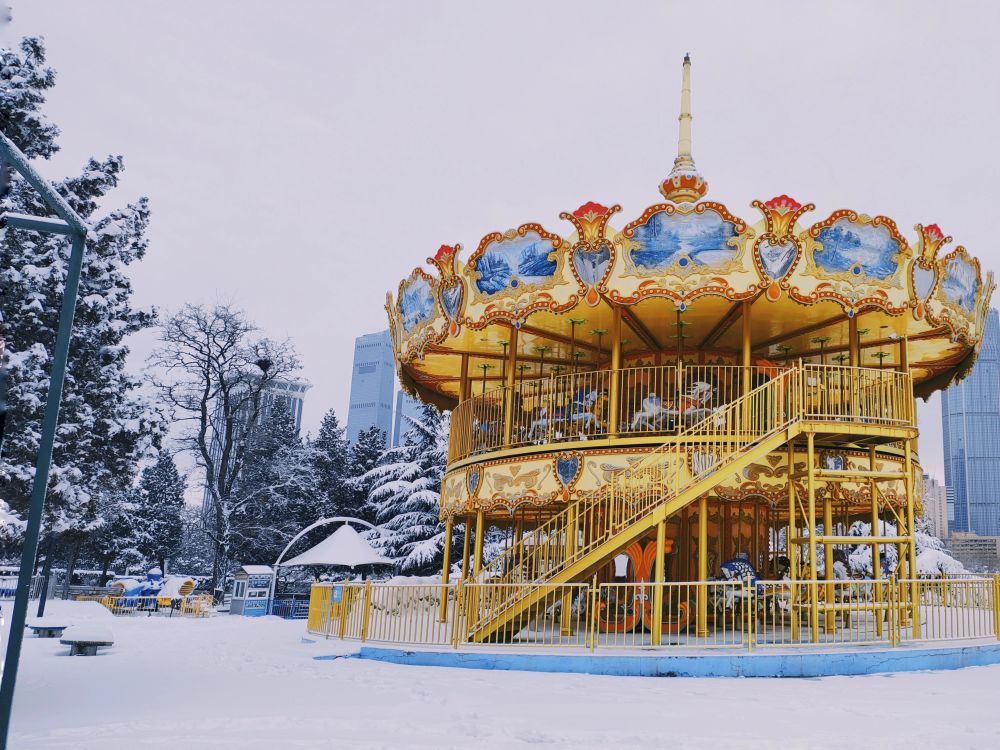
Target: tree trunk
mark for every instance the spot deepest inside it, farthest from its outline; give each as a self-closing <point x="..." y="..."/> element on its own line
<point x="74" y="552"/>
<point x="163" y="565"/>
<point x="105" y="564"/>
<point x="50" y="546"/>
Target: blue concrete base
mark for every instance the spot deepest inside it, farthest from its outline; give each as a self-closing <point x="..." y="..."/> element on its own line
<point x="786" y="664"/>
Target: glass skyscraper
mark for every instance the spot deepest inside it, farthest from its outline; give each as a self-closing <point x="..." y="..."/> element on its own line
<point x="373" y="385"/>
<point x="970" y="416"/>
<point x="405" y="407"/>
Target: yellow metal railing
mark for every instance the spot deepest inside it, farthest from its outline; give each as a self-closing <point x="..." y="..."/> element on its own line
<point x="660" y="401"/>
<point x="741" y="614"/>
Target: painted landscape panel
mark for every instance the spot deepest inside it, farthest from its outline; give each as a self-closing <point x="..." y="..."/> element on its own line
<point x="855" y="248"/>
<point x="513" y="264"/>
<point x="672" y="239"/>
<point x="959" y="284"/>
<point x="416" y="303"/>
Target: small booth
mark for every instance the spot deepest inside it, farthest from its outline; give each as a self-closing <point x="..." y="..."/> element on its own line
<point x="251" y="586"/>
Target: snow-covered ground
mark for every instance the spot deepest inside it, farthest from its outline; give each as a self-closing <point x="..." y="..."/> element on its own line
<point x="251" y="683"/>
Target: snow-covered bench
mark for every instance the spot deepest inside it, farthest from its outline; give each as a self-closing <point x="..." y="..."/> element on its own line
<point x="46" y="629"/>
<point x="84" y="641"/>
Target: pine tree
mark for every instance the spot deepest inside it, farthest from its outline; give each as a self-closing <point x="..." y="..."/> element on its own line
<point x="24" y="78"/>
<point x="365" y="455"/>
<point x="106" y="426"/>
<point x="159" y="503"/>
<point x="331" y="459"/>
<point x="405" y="495"/>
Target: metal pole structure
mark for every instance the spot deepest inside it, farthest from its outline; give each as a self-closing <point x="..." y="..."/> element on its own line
<point x="76" y="228"/>
<point x="40" y="484"/>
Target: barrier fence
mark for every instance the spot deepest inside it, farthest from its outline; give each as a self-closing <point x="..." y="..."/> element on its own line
<point x="194" y="605"/>
<point x="733" y="614"/>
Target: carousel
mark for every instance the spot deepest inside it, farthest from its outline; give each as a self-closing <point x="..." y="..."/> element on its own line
<point x="684" y="393"/>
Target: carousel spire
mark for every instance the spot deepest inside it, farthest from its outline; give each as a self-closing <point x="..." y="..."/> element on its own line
<point x="684" y="184"/>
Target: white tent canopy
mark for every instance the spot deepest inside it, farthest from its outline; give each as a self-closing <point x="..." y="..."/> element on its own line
<point x="343" y="547"/>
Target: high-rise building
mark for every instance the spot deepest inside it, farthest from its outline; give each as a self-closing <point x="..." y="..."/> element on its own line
<point x="373" y="382"/>
<point x="290" y="393"/>
<point x="970" y="415"/>
<point x="405" y="407"/>
<point x="936" y="507"/>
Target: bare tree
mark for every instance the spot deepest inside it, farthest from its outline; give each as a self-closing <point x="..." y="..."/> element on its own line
<point x="213" y="369"/>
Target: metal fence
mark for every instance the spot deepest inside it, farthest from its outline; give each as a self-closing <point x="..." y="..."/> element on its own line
<point x="194" y="605"/>
<point x="694" y="615"/>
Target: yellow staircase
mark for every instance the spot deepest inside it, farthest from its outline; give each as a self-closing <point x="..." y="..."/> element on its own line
<point x="585" y="536"/>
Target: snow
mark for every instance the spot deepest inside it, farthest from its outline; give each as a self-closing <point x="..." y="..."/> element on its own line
<point x="252" y="683"/>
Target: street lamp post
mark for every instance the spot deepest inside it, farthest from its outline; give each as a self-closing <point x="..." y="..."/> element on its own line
<point x="70" y="225"/>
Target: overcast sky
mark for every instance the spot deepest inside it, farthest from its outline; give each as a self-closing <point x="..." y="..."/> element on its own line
<point x="302" y="157"/>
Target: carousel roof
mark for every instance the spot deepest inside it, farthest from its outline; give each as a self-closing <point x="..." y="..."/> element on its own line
<point x="681" y="271"/>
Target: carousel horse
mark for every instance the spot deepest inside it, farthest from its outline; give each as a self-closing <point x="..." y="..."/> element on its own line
<point x="655" y="414"/>
<point x="734" y="570"/>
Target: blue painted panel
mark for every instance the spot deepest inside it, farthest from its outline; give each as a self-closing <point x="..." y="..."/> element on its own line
<point x="692" y="240"/>
<point x="959" y="284"/>
<point x="417" y="303"/>
<point x="857" y="248"/>
<point x="511" y="264"/>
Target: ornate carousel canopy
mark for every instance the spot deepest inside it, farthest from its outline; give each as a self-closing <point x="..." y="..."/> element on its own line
<point x="681" y="271"/>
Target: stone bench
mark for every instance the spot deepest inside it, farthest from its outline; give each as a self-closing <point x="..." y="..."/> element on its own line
<point x="85" y="641"/>
<point x="46" y="629"/>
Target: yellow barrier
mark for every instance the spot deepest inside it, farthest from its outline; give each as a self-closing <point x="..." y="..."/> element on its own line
<point x="740" y="615"/>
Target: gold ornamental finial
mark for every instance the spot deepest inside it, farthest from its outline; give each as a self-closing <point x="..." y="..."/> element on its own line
<point x="684" y="184"/>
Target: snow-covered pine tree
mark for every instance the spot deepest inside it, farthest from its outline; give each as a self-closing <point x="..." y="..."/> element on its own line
<point x="331" y="456"/>
<point x="365" y="454"/>
<point x="405" y="495"/>
<point x="159" y="503"/>
<point x="106" y="425"/>
<point x="275" y="495"/>
<point x="24" y="79"/>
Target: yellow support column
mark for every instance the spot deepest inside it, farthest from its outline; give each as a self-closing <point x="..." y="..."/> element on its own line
<point x="702" y="627"/>
<point x="792" y="548"/>
<point x="912" y="566"/>
<point x="569" y="549"/>
<point x="508" y="409"/>
<point x="828" y="558"/>
<point x="811" y="522"/>
<point x="658" y="575"/>
<point x="445" y="568"/>
<point x="477" y="556"/>
<point x="876" y="531"/>
<point x="853" y="342"/>
<point x="746" y="344"/>
<point x="465" y="549"/>
<point x="616" y="365"/>
<point x="463" y="380"/>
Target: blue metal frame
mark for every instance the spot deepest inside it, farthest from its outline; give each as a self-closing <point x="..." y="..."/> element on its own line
<point x="76" y="228"/>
